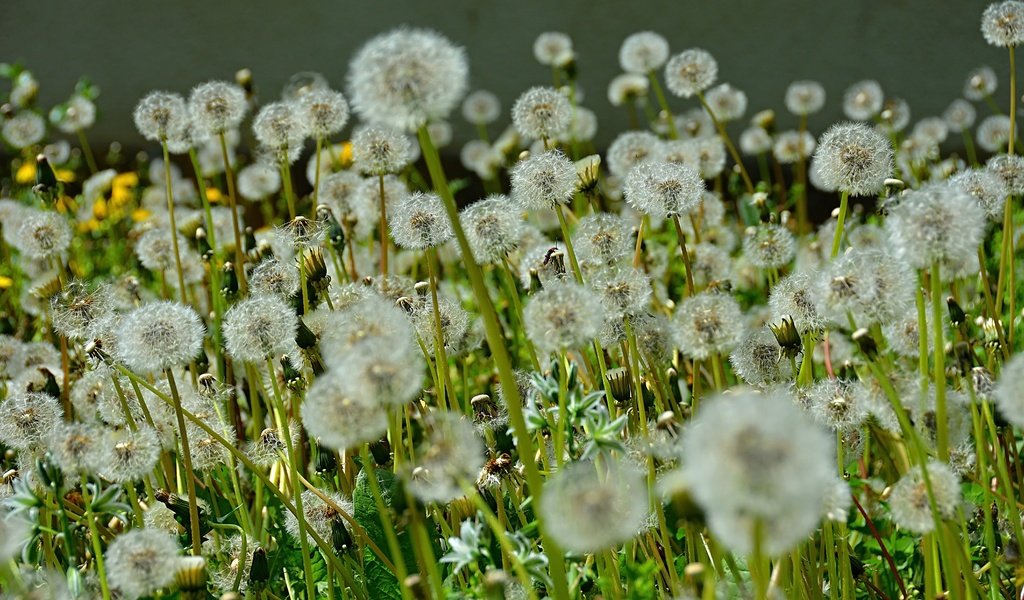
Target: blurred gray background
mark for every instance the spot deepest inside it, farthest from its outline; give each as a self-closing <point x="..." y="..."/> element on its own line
<point x="919" y="50"/>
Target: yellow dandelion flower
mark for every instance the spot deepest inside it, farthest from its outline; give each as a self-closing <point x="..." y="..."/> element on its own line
<point x="26" y="173"/>
<point x="214" y="195"/>
<point x="5" y="282"/>
<point x="140" y="214"/>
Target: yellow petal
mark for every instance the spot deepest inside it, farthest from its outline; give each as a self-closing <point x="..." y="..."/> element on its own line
<point x="26" y="173"/>
<point x="5" y="282"/>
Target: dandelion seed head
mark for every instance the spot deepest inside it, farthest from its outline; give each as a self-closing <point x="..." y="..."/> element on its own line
<point x="627" y="87"/>
<point x="78" y="114"/>
<point x="757" y="359"/>
<point x="959" y="116"/>
<point x="544" y="180"/>
<point x="994" y="133"/>
<point x="260" y="328"/>
<point x="407" y="77"/>
<point x="379" y="150"/>
<point x="854" y="158"/>
<point x="325" y="112"/>
<point x="804" y="98"/>
<point x="863" y="100"/>
<point x="624" y="291"/>
<point x="726" y="102"/>
<point x="708" y="323"/>
<point x="709" y="263"/>
<point x="450" y="454"/>
<point x="382" y="372"/>
<point x="339" y="421"/>
<point x="454" y="322"/>
<point x="690" y="72"/>
<point x="160" y="115"/>
<point x="493" y="228"/>
<point x="562" y="316"/>
<point x="259" y="181"/>
<point x="986" y="187"/>
<point x="553" y="49"/>
<point x="419" y="221"/>
<point x="769" y="246"/>
<point x="753" y="457"/>
<point x="481" y="107"/>
<point x="141" y="561"/>
<point x="630" y="149"/>
<point x="980" y="82"/>
<point x="73" y="446"/>
<point x="42" y="235"/>
<point x="1010" y="167"/>
<point x="794" y="296"/>
<point x="835" y="404"/>
<point x="931" y="129"/>
<point x="160" y="335"/>
<point x="894" y="117"/>
<point x="217" y="106"/>
<point x="320" y="516"/>
<point x="663" y="189"/>
<point x="602" y="239"/>
<point x="643" y="52"/>
<point x="793" y="146"/>
<point x="340" y="192"/>
<point x="755" y="141"/>
<point x="589" y="507"/>
<point x="1002" y="23"/>
<point x="541" y="113"/>
<point x="1007" y="391"/>
<point x="705" y="154"/>
<point x="25" y="129"/>
<point x="279" y="127"/>
<point x="909" y="504"/>
<point x="481" y="158"/>
<point x="937" y="223"/>
<point x="27" y="419"/>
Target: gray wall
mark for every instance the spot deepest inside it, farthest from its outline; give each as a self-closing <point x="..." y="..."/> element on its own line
<point x="917" y="49"/>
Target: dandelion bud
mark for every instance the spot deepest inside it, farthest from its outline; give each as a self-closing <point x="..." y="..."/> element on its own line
<point x="690" y="72"/>
<point x="854" y="158"/>
<point x="159" y="336"/>
<point x="192" y="576"/>
<point x="407" y="77"/>
<point x="541" y="113"/>
<point x="1002" y="23"/>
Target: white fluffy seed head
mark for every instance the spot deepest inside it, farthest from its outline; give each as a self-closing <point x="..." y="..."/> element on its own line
<point x="419" y="221"/>
<point x="160" y="115"/>
<point x="325" y="112"/>
<point x="279" y="128"/>
<point x="643" y="52"/>
<point x="141" y="561"/>
<point x="217" y="106"/>
<point x="726" y="102"/>
<point x="960" y="115"/>
<point x="160" y="335"/>
<point x="980" y="82"/>
<point x="938" y="223"/>
<point x="493" y="228"/>
<point x="793" y="146"/>
<point x="562" y="316"/>
<point x="339" y="421"/>
<point x="42" y="235"/>
<point x="708" y="323"/>
<point x="553" y="49"/>
<point x="260" y="328"/>
<point x="854" y="158"/>
<point x="259" y="181"/>
<point x="1010" y="167"/>
<point x="863" y="100"/>
<point x="663" y="189"/>
<point x="379" y="150"/>
<point x="630" y="149"/>
<point x="590" y="507"/>
<point x="481" y="107"/>
<point x="985" y="186"/>
<point x="752" y="457"/>
<point x="1007" y="392"/>
<point x="1002" y="23"/>
<point x="25" y="129"/>
<point x="754" y="141"/>
<point x="994" y="133"/>
<point x="79" y="113"/>
<point x="909" y="503"/>
<point x="690" y="72"/>
<point x="450" y="454"/>
<point x="769" y="246"/>
<point x="602" y="239"/>
<point x="407" y="77"/>
<point x="804" y="97"/>
<point x="544" y="180"/>
<point x="27" y="419"/>
<point x="626" y="88"/>
<point x="758" y="360"/>
<point x="541" y="113"/>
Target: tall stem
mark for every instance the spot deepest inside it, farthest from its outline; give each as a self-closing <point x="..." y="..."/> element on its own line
<point x="496" y="342"/>
<point x="728" y="144"/>
<point x="186" y="458"/>
<point x="174" y="225"/>
<point x="838" y="236"/>
<point x="939" y="364"/>
<point x="316" y="178"/>
<point x="568" y="244"/>
<point x="383" y="228"/>
<point x="690" y="289"/>
<point x="229" y="175"/>
<point x="90" y="160"/>
<point x="663" y="103"/>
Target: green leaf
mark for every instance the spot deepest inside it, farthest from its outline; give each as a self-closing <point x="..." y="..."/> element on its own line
<point x="380" y="581"/>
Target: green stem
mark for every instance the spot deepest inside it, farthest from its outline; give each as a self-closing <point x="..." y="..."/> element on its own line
<point x="174" y="225"/>
<point x="94" y="536"/>
<point x="229" y="175"/>
<point x="728" y="144"/>
<point x="186" y="458"/>
<point x="838" y="235"/>
<point x="495" y="340"/>
<point x="939" y="363"/>
<point x="663" y="103"/>
<point x="90" y="159"/>
<point x="568" y="244"/>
